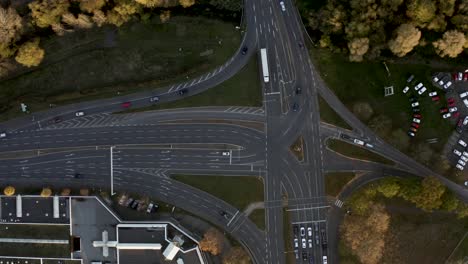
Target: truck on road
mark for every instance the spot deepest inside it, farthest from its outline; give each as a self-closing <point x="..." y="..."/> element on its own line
<point x="266" y="74"/>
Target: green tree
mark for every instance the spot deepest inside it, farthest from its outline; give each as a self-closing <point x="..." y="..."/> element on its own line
<point x="462" y="210"/>
<point x="357" y="48"/>
<point x="92" y="5"/>
<point x="421" y="11"/>
<point x="449" y="201"/>
<point x="430" y="197"/>
<point x="30" y="54"/>
<point x="11" y="25"/>
<point x="48" y="12"/>
<point x="438" y="24"/>
<point x="6" y="51"/>
<point x="451" y="44"/>
<point x="389" y="187"/>
<point x="406" y="38"/>
<point x="446" y="7"/>
<point x="409" y="188"/>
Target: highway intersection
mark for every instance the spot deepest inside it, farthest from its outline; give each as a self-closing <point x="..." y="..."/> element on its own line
<point x="137" y="152"/>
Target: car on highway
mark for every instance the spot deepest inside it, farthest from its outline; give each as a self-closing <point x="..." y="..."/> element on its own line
<point x="296" y="243"/>
<point x="283" y="7"/>
<point x="460" y="167"/>
<point x="420" y="92"/>
<point x="447" y="115"/>
<point x="457" y="152"/>
<point x="154" y="99"/>
<point x="432" y="94"/>
<point x="316" y="227"/>
<point x="304" y="255"/>
<point x="415" y="104"/>
<point x="358" y="142"/>
<point x="298" y="90"/>
<point x="462" y="143"/>
<point x="310" y="243"/>
<point x="2" y="134"/>
<point x="309" y="231"/>
<point x="226" y="153"/>
<point x="296" y="253"/>
<point x="244" y="50"/>
<point x="126" y="104"/>
<point x="417" y="120"/>
<point x="304" y="244"/>
<point x="295" y="107"/>
<point x="453" y="109"/>
<point x="411" y="134"/>
<point x="80" y="113"/>
<point x="406" y="89"/>
<point x="302" y="231"/>
<point x="182" y="91"/>
<point x="325" y="259"/>
<point x="300" y="45"/>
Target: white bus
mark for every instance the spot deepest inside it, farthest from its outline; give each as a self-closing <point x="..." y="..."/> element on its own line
<point x="266" y="75"/>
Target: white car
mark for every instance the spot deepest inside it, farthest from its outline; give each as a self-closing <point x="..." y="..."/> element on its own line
<point x="465" y="159"/>
<point x="453" y="109"/>
<point x="415" y="104"/>
<point x="369" y="145"/>
<point x="461" y="162"/>
<point x="422" y="90"/>
<point x="465" y="101"/>
<point x="3" y="135"/>
<point x="435" y="79"/>
<point x="448" y="84"/>
<point x="406" y="89"/>
<point x="457" y="152"/>
<point x="358" y="142"/>
<point x="465" y="153"/>
<point x="296" y="243"/>
<point x="311" y="245"/>
<point x="309" y="231"/>
<point x="465" y="121"/>
<point x="283" y="7"/>
<point x="304" y="244"/>
<point x="226" y="153"/>
<point x="441" y="82"/>
<point x="460" y="76"/>
<point x="447" y="115"/>
<point x="432" y="94"/>
<point x="325" y="260"/>
<point x="463" y="95"/>
<point x="416" y="120"/>
<point x="460" y="167"/>
<point x="81" y="113"/>
<point x="463" y="143"/>
<point x="419" y="85"/>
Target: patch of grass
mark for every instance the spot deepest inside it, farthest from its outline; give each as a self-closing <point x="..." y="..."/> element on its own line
<point x="35" y="231"/>
<point x="297" y="148"/>
<point x="328" y="115"/>
<point x="239" y="191"/>
<point x="243" y="89"/>
<point x="346" y="255"/>
<point x="354" y="151"/>
<point x="335" y="181"/>
<point x="35" y="250"/>
<point x="100" y="62"/>
<point x="288" y="235"/>
<point x="461" y="252"/>
<point x="258" y="217"/>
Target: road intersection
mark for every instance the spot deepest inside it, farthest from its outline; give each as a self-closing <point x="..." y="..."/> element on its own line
<point x="147" y="147"/>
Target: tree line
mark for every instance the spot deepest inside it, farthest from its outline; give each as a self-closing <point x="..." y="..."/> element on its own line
<point x="17" y="32"/>
<point x="364" y="28"/>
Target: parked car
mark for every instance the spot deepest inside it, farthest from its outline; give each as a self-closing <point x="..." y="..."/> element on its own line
<point x="418" y="86"/>
<point x="465" y="121"/>
<point x="415" y="104"/>
<point x="435" y="98"/>
<point x="406" y="89"/>
<point x="460" y="167"/>
<point x="310" y="243"/>
<point x="296" y="243"/>
<point x="358" y="142"/>
<point x="302" y="231"/>
<point x="465" y="159"/>
<point x="447" y="115"/>
<point x="415" y="125"/>
<point x="435" y="79"/>
<point x="416" y="110"/>
<point x="420" y="92"/>
<point x="410" y="78"/>
<point x="417" y="115"/>
<point x="309" y="231"/>
<point x="126" y="104"/>
<point x="295" y="107"/>
<point x="411" y="134"/>
<point x="3" y="134"/>
<point x="462" y="143"/>
<point x="443" y="110"/>
<point x="154" y="99"/>
<point x="447" y="85"/>
<point x="453" y="109"/>
<point x="150" y="207"/>
<point x="463" y="95"/>
<point x="416" y="120"/>
<point x="413" y="129"/>
<point x="461" y="162"/>
<point x="451" y="104"/>
<point x="304" y="244"/>
<point x="295" y="230"/>
<point x="431" y="94"/>
<point x="457" y="152"/>
<point x="465" y="153"/>
<point x="450" y="100"/>
<point x="369" y="145"/>
<point x="465" y="101"/>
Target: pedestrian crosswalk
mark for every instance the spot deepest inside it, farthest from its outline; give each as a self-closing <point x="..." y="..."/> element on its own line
<point x="339" y="203"/>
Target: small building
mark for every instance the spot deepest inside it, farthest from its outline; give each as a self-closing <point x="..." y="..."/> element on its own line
<point x="171" y="251"/>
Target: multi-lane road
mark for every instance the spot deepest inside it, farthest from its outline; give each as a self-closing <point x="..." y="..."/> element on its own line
<point x="137" y="152"/>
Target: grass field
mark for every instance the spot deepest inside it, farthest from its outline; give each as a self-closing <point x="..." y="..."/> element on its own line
<point x="335" y="181"/>
<point x="461" y="251"/>
<point x="239" y="191"/>
<point x="258" y="217"/>
<point x="35" y="250"/>
<point x="365" y="82"/>
<point x="356" y="152"/>
<point x="243" y="89"/>
<point x="102" y="61"/>
<point x="328" y="115"/>
<point x="35" y="231"/>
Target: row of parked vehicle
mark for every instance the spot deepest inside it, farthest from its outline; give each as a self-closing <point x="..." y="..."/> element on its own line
<point x="138" y="204"/>
<point x="307" y="240"/>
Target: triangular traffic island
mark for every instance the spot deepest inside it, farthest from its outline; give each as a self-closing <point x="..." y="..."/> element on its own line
<point x="297" y="148"/>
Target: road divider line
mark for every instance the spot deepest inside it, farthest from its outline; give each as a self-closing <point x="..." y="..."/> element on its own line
<point x="232" y="218"/>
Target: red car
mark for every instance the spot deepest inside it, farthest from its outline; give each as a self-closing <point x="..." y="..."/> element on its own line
<point x="465" y="76"/>
<point x="415" y="125"/>
<point x="413" y="129"/>
<point x="452" y="104"/>
<point x="126" y="104"/>
<point x="450" y="100"/>
<point x="435" y="98"/>
<point x="455" y="76"/>
<point x="443" y="110"/>
<point x="417" y="115"/>
<point x="456" y="114"/>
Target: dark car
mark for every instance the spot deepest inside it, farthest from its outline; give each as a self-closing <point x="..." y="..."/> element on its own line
<point x="304" y="256"/>
<point x="443" y="110"/>
<point x="134" y="205"/>
<point x="244" y="50"/>
<point x="154" y="99"/>
<point x="344" y="136"/>
<point x="411" y="134"/>
<point x="296" y="230"/>
<point x="56" y="120"/>
<point x="300" y="45"/>
<point x="295" y="107"/>
<point x="416" y="110"/>
<point x="182" y="91"/>
<point x="126" y="104"/>
<point x="78" y="176"/>
<point x="298" y="90"/>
